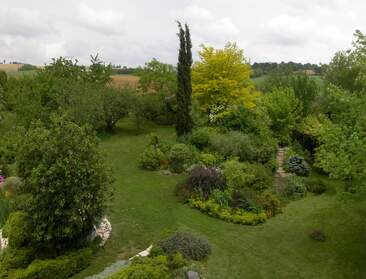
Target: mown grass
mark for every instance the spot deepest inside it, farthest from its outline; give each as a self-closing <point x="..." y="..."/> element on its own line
<point x="145" y="209"/>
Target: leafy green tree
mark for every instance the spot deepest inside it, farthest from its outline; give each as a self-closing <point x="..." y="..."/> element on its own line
<point x="184" y="86"/>
<point x="158" y="77"/>
<point x="222" y="79"/>
<point x="348" y="68"/>
<point x="117" y="103"/>
<point x="283" y="109"/>
<point x="65" y="181"/>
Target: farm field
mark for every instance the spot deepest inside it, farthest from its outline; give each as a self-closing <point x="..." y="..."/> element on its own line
<point x="125" y="80"/>
<point x="145" y="209"/>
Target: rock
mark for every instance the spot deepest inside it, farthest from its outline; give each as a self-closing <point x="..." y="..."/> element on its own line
<point x="103" y="230"/>
<point x="192" y="275"/>
<point x="3" y="241"/>
<point x="144" y="253"/>
<point x="166" y="172"/>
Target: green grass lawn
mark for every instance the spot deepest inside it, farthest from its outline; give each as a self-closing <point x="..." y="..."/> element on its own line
<point x="145" y="209"/>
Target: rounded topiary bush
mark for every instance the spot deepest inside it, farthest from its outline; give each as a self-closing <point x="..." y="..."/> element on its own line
<point x="190" y="246"/>
<point x="207" y="159"/>
<point x="297" y="165"/>
<point x="17" y="229"/>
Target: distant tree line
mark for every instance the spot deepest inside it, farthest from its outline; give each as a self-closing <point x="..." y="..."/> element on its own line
<point x="260" y="69"/>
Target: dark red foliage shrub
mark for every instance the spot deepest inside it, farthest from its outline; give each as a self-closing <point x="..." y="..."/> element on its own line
<point x="204" y="180"/>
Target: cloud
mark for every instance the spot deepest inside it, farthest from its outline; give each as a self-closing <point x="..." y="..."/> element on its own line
<point x="104" y="21"/>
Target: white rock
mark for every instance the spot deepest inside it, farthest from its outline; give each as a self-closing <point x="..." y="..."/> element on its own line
<point x="3" y="241"/>
<point x="144" y="253"/>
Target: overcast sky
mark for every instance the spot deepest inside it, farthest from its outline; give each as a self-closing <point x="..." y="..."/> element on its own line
<point x="133" y="32"/>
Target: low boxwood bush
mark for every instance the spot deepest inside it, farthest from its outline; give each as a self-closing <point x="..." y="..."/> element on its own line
<point x="297" y="165"/>
<point x="204" y="180"/>
<point x="190" y="246"/>
<point x="237" y="216"/>
<point x="59" y="268"/>
<point x="145" y="268"/>
<point x="316" y="186"/>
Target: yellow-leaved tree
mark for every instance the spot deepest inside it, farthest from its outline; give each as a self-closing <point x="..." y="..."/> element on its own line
<point x="222" y="79"/>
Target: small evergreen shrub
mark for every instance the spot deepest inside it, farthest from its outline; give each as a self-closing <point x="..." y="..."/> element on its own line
<point x="145" y="268"/>
<point x="180" y="155"/>
<point x="208" y="159"/>
<point x="294" y="187"/>
<point x="315" y="186"/>
<point x="270" y="203"/>
<point x="204" y="180"/>
<point x="176" y="261"/>
<point x="190" y="246"/>
<point x="151" y="158"/>
<point x="297" y="165"/>
<point x="244" y="199"/>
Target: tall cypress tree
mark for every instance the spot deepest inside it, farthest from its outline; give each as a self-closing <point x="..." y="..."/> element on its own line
<point x="184" y="92"/>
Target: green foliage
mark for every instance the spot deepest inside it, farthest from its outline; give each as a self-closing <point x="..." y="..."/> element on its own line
<point x="145" y="268"/>
<point x="221" y="79"/>
<point x="179" y="155"/>
<point x="204" y="180"/>
<point x="207" y="159"/>
<point x="233" y="144"/>
<point x="61" y="87"/>
<point x="297" y="165"/>
<point x="245" y="199"/>
<point x="200" y="137"/>
<point x="190" y="246"/>
<point x="176" y="261"/>
<point x="62" y="166"/>
<point x="157" y="77"/>
<point x="283" y="108"/>
<point x="12" y="185"/>
<point x="237" y="216"/>
<point x="117" y="104"/>
<point x="316" y="186"/>
<point x="294" y="187"/>
<point x="347" y="68"/>
<point x="270" y="204"/>
<point x="223" y="198"/>
<point x="4" y="208"/>
<point x="27" y="67"/>
<point x="251" y="176"/>
<point x="59" y="268"/>
<point x="151" y="158"/>
<point x="12" y="259"/>
<point x="18" y="229"/>
<point x="3" y="79"/>
<point x="184" y="123"/>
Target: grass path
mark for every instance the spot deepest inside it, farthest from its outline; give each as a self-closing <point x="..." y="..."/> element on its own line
<point x="145" y="209"/>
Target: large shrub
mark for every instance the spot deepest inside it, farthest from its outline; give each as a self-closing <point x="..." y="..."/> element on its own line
<point x="232" y="144"/>
<point x="151" y="158"/>
<point x="204" y="180"/>
<point x="190" y="246"/>
<point x="200" y="137"/>
<point x="294" y="187"/>
<point x="66" y="181"/>
<point x="180" y="155"/>
<point x="251" y="176"/>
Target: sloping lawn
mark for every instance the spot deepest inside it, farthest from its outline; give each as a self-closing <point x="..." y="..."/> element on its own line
<point x="145" y="209"/>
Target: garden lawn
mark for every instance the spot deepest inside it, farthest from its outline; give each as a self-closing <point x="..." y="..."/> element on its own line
<point x="145" y="209"/>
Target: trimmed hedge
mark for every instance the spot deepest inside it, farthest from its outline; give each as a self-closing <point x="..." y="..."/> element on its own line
<point x="237" y="216"/>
